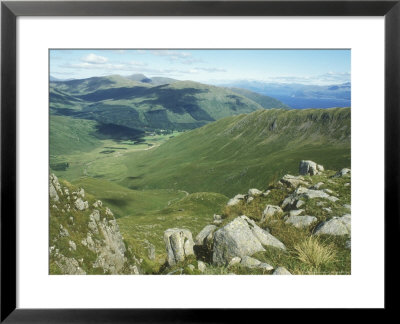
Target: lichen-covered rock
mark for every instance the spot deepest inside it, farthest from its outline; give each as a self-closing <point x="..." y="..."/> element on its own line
<point x="81" y="205"/>
<point x="205" y="236"/>
<point x="293" y="181"/>
<point x="68" y="265"/>
<point x="295" y="212"/>
<point x="201" y="266"/>
<point x="235" y="200"/>
<point x="234" y="239"/>
<point x="335" y="226"/>
<point x="308" y="167"/>
<point x="317" y="185"/>
<point x="98" y="204"/>
<point x="269" y="211"/>
<point x="63" y="231"/>
<point x="281" y="271"/>
<point x="301" y="221"/>
<point x="241" y="237"/>
<point x="344" y="172"/>
<point x="217" y="219"/>
<point x="234" y="261"/>
<point x="250" y="262"/>
<point x="72" y="245"/>
<point x="254" y="192"/>
<point x="53" y="193"/>
<point x="266" y="193"/>
<point x="305" y="193"/>
<point x="179" y="244"/>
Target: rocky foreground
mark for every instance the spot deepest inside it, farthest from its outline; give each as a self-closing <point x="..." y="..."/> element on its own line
<point x="307" y="205"/>
<point x="300" y="224"/>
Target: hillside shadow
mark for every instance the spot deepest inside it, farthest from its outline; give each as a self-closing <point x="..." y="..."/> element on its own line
<point x="178" y="101"/>
<point x="114" y="93"/>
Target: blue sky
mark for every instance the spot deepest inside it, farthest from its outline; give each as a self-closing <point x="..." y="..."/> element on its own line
<point x="208" y="66"/>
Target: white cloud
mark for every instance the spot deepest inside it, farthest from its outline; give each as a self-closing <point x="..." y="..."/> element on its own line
<point x="94" y="59"/>
<point x="323" y="79"/>
<point x="176" y="56"/>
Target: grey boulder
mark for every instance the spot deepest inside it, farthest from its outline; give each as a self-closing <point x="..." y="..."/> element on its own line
<point x="254" y="192"/>
<point x="300" y="221"/>
<point x="335" y="226"/>
<point x="205" y="236"/>
<point x="292" y="181"/>
<point x="241" y="237"/>
<point x="179" y="244"/>
<point x="250" y="262"/>
<point x="282" y="271"/>
<point x="235" y="200"/>
<point x="308" y="167"/>
<point x="270" y="210"/>
<point x="342" y="173"/>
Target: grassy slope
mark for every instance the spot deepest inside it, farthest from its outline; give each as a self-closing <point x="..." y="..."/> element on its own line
<point x="237" y="153"/>
<point x="192" y="212"/>
<point x="68" y="135"/>
<point x="127" y="202"/>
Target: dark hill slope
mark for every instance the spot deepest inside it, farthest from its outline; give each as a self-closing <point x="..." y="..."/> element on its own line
<point x="240" y="152"/>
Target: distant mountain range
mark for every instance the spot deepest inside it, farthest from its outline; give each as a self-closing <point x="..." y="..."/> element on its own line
<point x="300" y="96"/>
<point x="122" y="105"/>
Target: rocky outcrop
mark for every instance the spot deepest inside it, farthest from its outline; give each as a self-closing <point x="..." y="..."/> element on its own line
<point x="54" y="188"/>
<point x="270" y="211"/>
<point x="335" y="226"/>
<point x="80" y="204"/>
<point x="179" y="244"/>
<point x="308" y="167"/>
<point x="235" y="200"/>
<point x="67" y="265"/>
<point x="241" y="237"/>
<point x="304" y="193"/>
<point x="96" y="247"/>
<point x="254" y="192"/>
<point x="293" y="181"/>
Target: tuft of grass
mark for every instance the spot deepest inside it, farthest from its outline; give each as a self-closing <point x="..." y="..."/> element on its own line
<point x="315" y="253"/>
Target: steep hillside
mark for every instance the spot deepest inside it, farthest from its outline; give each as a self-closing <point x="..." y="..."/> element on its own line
<point x="69" y="135"/>
<point x="243" y="151"/>
<point x="146" y="104"/>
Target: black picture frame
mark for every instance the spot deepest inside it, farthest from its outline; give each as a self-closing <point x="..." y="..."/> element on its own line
<point x="10" y="10"/>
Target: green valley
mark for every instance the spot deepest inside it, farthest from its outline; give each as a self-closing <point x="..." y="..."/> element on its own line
<point x="165" y="154"/>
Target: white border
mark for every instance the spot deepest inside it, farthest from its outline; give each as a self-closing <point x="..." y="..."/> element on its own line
<point x="364" y="288"/>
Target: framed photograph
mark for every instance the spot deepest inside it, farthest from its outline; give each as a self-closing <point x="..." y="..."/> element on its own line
<point x="193" y="155"/>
